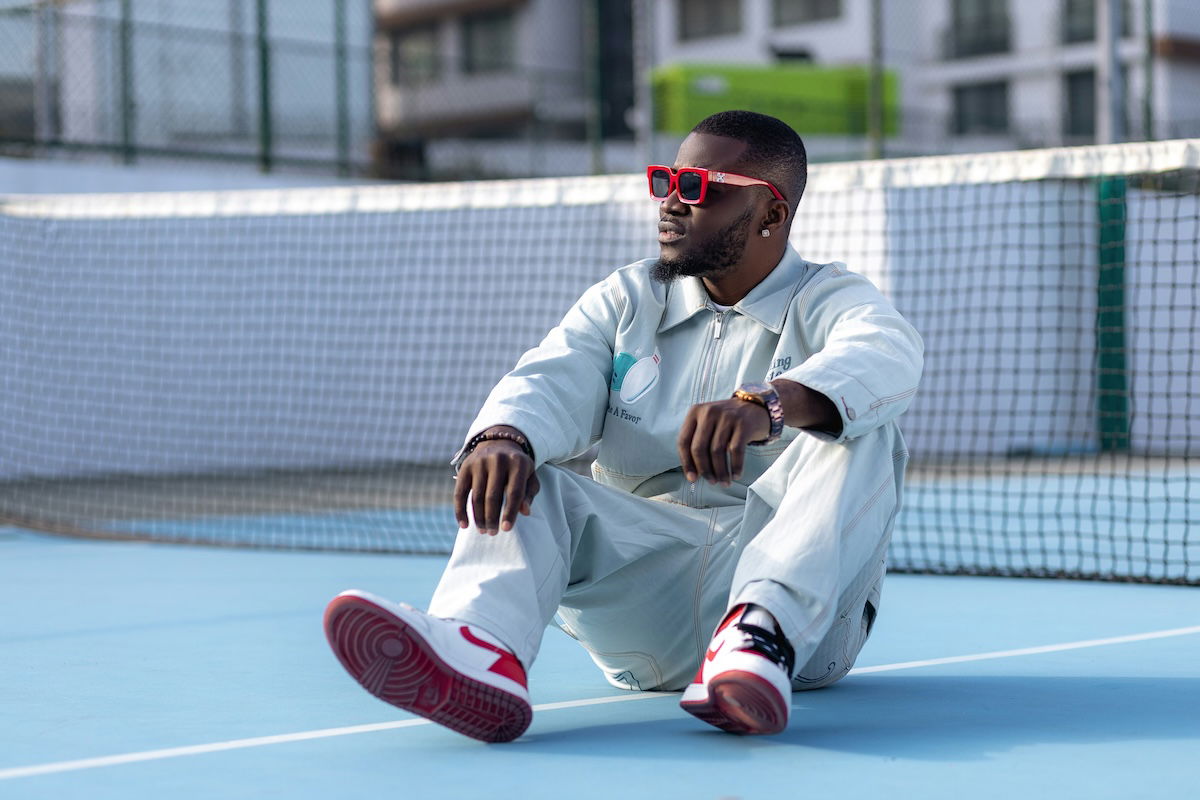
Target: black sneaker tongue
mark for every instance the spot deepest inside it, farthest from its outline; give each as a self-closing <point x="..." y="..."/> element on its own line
<point x="759" y="632"/>
<point x="771" y="644"/>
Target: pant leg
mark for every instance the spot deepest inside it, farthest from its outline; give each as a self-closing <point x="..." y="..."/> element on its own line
<point x="624" y="573"/>
<point x="813" y="545"/>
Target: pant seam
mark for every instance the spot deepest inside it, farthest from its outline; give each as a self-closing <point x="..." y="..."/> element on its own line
<point x="651" y="661"/>
<point x="698" y="594"/>
<point x="868" y="506"/>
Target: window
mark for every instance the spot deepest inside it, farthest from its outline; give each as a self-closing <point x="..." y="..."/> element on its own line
<point x="489" y="42"/>
<point x="413" y="58"/>
<point x="981" y="108"/>
<point x="701" y="18"/>
<point x="1079" y="20"/>
<point x="1080" y="108"/>
<point x="798" y="12"/>
<point x="978" y="27"/>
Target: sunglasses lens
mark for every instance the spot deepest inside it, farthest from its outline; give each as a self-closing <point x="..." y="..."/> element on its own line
<point x="689" y="186"/>
<point x="660" y="183"/>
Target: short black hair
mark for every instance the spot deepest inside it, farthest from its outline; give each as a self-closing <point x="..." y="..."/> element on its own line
<point x="774" y="151"/>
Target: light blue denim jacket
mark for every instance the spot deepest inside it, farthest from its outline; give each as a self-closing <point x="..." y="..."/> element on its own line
<point x="632" y="355"/>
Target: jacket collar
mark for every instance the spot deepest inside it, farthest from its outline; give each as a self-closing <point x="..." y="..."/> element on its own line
<point x="766" y="304"/>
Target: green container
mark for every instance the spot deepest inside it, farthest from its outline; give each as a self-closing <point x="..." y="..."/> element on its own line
<point x="813" y="100"/>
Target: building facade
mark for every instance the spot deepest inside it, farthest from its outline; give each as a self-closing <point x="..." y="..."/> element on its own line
<point x="473" y="88"/>
<point x="479" y="88"/>
<point x="973" y="74"/>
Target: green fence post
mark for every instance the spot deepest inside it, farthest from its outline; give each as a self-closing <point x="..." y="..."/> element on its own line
<point x="593" y="84"/>
<point x="1112" y="381"/>
<point x="343" y="88"/>
<point x="875" y="122"/>
<point x="128" y="110"/>
<point x="265" y="156"/>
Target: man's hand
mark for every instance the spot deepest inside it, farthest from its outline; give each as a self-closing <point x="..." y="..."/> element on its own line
<point x="712" y="442"/>
<point x="500" y="479"/>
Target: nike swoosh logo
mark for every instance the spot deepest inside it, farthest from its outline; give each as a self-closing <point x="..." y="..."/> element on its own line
<point x="709" y="655"/>
<point x="506" y="665"/>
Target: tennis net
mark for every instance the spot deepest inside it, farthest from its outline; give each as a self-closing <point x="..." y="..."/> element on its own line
<point x="294" y="368"/>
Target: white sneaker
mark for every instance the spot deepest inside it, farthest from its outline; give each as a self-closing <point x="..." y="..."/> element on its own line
<point x="444" y="670"/>
<point x="744" y="682"/>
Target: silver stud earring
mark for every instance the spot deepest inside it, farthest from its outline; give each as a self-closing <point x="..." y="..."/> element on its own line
<point x="765" y="233"/>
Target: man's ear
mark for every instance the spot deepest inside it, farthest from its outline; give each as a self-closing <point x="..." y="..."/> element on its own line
<point x="777" y="216"/>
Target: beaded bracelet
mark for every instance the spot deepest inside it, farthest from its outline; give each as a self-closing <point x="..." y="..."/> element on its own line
<point x="486" y="436"/>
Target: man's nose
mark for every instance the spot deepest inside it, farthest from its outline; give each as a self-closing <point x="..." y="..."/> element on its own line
<point x="673" y="205"/>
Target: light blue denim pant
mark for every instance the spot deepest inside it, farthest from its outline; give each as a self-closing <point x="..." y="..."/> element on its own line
<point x="642" y="583"/>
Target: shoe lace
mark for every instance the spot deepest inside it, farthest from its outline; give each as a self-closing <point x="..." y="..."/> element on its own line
<point x="770" y="645"/>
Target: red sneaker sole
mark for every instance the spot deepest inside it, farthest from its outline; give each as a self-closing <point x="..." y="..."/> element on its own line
<point x="395" y="663"/>
<point x="741" y="702"/>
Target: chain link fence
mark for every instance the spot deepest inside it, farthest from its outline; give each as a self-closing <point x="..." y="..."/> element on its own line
<point x="266" y="82"/>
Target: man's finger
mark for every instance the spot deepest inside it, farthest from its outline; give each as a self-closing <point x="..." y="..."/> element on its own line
<point x="514" y="497"/>
<point x="532" y="487"/>
<point x="478" y="496"/>
<point x="494" y="499"/>
<point x="737" y="456"/>
<point x="462" y="488"/>
<point x="685" y="445"/>
<point x="718" y="450"/>
<point x="701" y="456"/>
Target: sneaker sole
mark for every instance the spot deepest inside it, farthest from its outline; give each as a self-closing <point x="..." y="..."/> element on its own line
<point x="741" y="702"/>
<point x="395" y="663"/>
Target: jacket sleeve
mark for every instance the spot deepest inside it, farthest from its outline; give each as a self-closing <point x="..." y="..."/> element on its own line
<point x="557" y="394"/>
<point x="864" y="356"/>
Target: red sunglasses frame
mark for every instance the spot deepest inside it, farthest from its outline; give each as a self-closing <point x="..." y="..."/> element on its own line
<point x="706" y="175"/>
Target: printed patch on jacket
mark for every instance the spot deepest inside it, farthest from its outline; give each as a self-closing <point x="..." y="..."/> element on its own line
<point x="780" y="366"/>
<point x="634" y="378"/>
<point x="621" y="364"/>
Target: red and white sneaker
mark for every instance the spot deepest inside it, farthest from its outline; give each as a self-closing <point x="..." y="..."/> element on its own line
<point x="744" y="682"/>
<point x="444" y="670"/>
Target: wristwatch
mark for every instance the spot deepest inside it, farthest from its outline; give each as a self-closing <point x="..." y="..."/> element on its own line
<point x="765" y="395"/>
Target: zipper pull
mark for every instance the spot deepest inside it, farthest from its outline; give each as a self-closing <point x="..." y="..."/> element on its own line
<point x="720" y="319"/>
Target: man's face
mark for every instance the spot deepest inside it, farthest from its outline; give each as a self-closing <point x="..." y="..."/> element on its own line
<point x="706" y="240"/>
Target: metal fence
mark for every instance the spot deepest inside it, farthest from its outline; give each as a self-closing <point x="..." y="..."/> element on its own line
<point x="208" y="80"/>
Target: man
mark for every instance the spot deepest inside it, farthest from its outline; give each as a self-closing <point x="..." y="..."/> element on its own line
<point x="748" y="473"/>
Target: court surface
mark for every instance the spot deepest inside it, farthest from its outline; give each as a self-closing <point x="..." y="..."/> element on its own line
<point x="132" y="670"/>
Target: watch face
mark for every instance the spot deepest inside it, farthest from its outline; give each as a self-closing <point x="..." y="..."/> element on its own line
<point x="757" y="388"/>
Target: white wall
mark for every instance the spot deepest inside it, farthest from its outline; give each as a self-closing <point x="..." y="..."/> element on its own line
<point x="840" y="41"/>
<point x="1180" y="17"/>
<point x="64" y="176"/>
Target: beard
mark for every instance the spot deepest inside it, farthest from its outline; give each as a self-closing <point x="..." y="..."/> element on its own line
<point x="712" y="258"/>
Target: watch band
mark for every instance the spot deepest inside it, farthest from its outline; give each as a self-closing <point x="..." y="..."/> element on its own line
<point x="764" y="394"/>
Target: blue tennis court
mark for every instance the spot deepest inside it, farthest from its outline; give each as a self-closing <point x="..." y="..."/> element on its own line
<point x="255" y="397"/>
<point x="137" y="670"/>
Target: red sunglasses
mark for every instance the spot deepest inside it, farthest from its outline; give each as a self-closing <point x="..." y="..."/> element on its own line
<point x="692" y="183"/>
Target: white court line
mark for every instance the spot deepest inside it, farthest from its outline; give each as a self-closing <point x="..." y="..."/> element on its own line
<point x="325" y="733"/>
<point x="1024" y="651"/>
<point x="260" y="741"/>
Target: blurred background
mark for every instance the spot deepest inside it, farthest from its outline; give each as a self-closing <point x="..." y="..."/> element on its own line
<point x="228" y="93"/>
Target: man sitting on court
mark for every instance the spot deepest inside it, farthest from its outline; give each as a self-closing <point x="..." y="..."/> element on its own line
<point x="748" y="474"/>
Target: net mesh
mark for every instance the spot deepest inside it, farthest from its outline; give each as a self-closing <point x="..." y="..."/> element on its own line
<point x="295" y="368"/>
